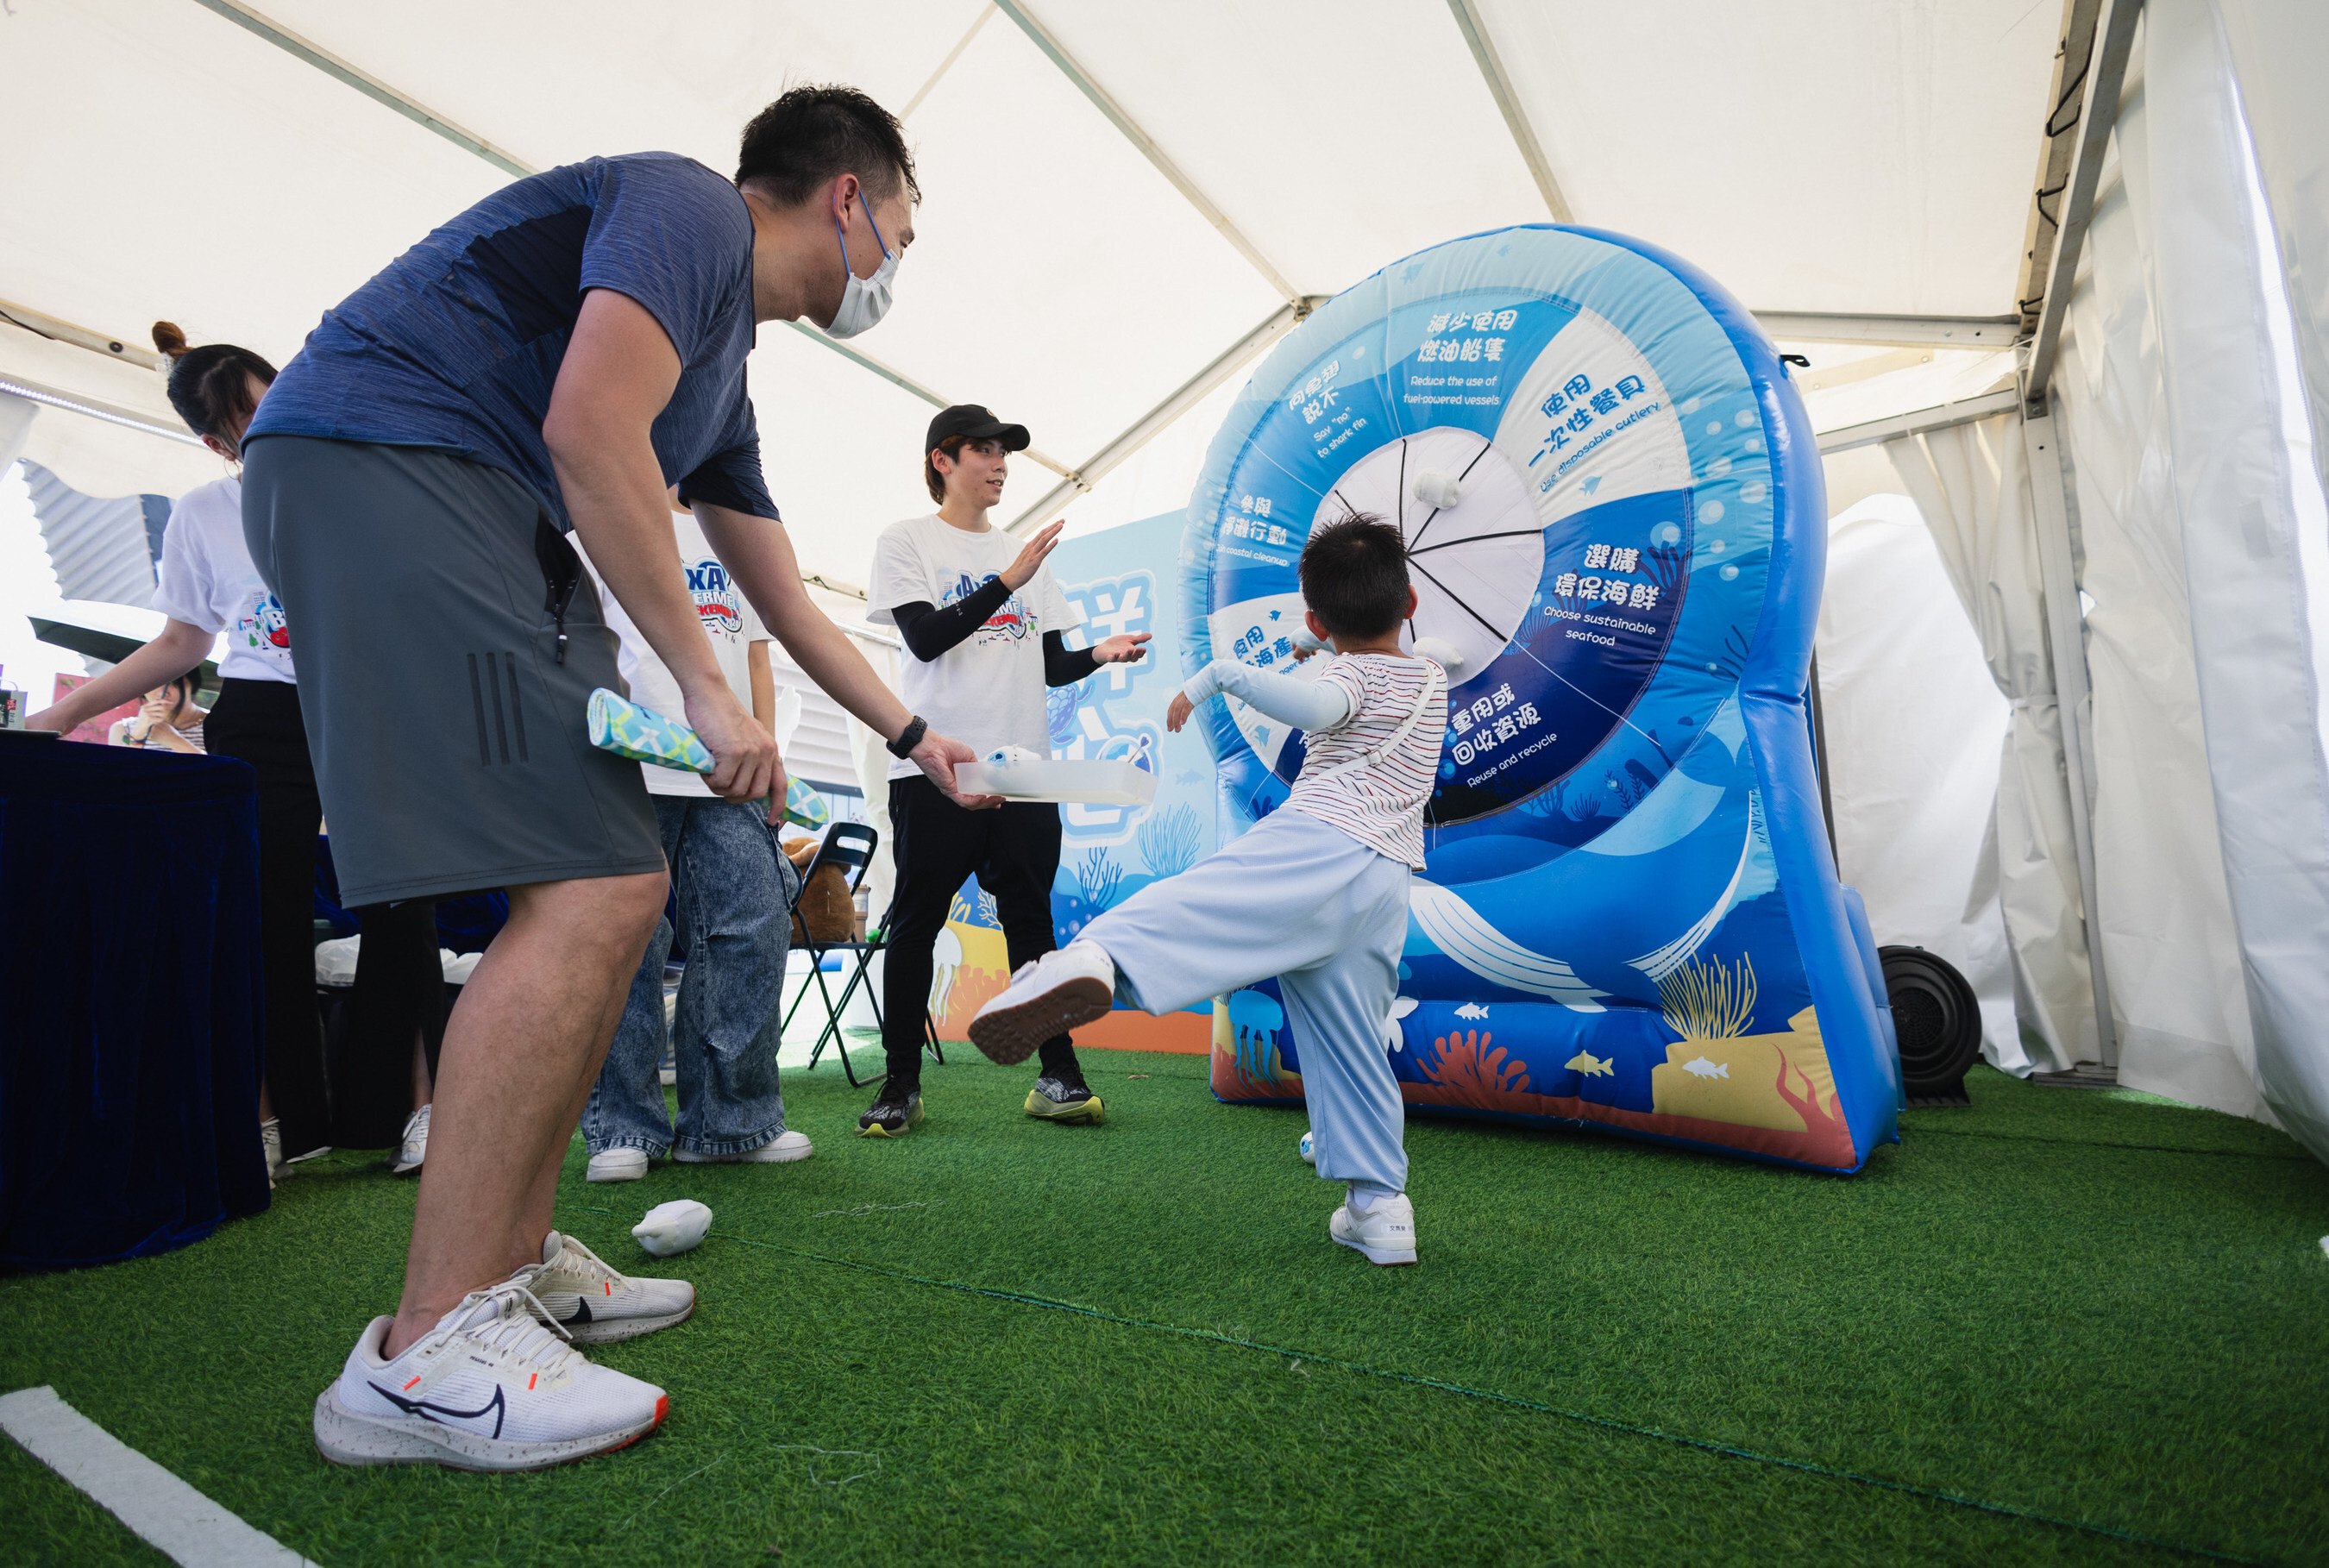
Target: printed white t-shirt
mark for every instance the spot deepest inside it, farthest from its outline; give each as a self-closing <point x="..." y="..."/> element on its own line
<point x="986" y="690"/>
<point x="1381" y="805"/>
<point x="729" y="621"/>
<point x="209" y="582"/>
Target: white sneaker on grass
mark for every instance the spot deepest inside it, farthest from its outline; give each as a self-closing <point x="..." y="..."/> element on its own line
<point x="623" y="1164"/>
<point x="270" y="1142"/>
<point x="783" y="1148"/>
<point x="597" y="1306"/>
<point x="490" y="1388"/>
<point x="415" y="1146"/>
<point x="1385" y="1234"/>
<point x="1063" y="989"/>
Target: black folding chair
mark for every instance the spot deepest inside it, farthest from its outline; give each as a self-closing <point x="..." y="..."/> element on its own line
<point x="848" y="846"/>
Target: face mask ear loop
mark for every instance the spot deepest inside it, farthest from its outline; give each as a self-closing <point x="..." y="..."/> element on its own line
<point x="844" y="238"/>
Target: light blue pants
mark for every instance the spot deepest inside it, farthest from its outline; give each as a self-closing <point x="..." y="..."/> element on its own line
<point x="1326" y="916"/>
<point x="734" y="890"/>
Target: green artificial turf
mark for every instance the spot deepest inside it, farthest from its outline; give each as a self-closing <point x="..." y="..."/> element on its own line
<point x="1001" y="1341"/>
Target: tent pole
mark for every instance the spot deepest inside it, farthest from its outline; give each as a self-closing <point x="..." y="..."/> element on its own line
<point x="2066" y="642"/>
<point x="1474" y="28"/>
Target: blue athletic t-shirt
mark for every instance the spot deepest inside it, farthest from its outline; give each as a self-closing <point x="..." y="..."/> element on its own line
<point x="456" y="344"/>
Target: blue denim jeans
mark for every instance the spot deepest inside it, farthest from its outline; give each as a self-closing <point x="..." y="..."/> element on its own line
<point x="734" y="891"/>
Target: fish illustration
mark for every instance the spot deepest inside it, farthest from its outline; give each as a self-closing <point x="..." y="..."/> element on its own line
<point x="1584" y="1062"/>
<point x="1700" y="1067"/>
<point x="1471" y="1010"/>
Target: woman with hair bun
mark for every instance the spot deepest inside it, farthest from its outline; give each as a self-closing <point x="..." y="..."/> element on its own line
<point x="208" y="584"/>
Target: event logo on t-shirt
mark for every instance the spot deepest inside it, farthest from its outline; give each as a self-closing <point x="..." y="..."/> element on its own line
<point x="264" y="625"/>
<point x="718" y="604"/>
<point x="1010" y="622"/>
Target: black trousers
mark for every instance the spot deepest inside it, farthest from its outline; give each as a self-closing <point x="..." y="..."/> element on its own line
<point x="399" y="992"/>
<point x="258" y="722"/>
<point x="1015" y="850"/>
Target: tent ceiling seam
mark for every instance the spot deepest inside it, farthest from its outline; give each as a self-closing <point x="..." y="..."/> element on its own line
<point x="986" y="13"/>
<point x="1138" y="434"/>
<point x="1474" y="28"/>
<point x="378" y="91"/>
<point x="1146" y="146"/>
<point x="371" y="87"/>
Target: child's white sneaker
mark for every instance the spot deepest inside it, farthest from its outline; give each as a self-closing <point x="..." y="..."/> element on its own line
<point x="490" y="1388"/>
<point x="1063" y="989"/>
<point x="1385" y="1234"/>
<point x="597" y="1306"/>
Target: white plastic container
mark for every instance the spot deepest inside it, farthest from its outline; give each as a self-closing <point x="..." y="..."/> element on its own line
<point x="1110" y="783"/>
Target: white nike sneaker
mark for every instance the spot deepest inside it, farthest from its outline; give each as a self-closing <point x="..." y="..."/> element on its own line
<point x="783" y="1148"/>
<point x="415" y="1148"/>
<point x="624" y="1164"/>
<point x="490" y="1388"/>
<point x="1385" y="1233"/>
<point x="1064" y="989"/>
<point x="597" y="1306"/>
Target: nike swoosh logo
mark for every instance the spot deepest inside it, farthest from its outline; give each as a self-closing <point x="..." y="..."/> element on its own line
<point x="582" y="1310"/>
<point x="494" y="1407"/>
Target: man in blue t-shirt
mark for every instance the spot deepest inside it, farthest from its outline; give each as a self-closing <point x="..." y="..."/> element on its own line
<point x="552" y="359"/>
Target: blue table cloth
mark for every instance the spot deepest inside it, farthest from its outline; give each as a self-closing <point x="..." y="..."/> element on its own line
<point x="130" y="1032"/>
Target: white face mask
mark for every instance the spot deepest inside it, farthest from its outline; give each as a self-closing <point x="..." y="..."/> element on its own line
<point x="864" y="300"/>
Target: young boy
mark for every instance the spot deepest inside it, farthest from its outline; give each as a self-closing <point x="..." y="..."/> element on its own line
<point x="1316" y="893"/>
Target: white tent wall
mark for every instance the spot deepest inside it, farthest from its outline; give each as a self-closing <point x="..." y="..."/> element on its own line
<point x="2277" y="48"/>
<point x="2211" y="819"/>
<point x="1914" y="725"/>
<point x="1972" y="484"/>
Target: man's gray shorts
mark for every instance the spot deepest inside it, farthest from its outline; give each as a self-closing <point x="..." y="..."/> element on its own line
<point x="447" y="736"/>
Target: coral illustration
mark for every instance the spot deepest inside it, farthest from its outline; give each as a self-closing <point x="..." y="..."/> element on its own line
<point x="1099" y="875"/>
<point x="1473" y="1075"/>
<point x="1819" y="1117"/>
<point x="1168" y="840"/>
<point x="1705" y="1001"/>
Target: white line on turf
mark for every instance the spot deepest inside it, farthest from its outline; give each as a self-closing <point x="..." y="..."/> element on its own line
<point x="170" y="1516"/>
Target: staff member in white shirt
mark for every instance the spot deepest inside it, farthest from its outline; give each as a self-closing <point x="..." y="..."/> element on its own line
<point x="984" y="626"/>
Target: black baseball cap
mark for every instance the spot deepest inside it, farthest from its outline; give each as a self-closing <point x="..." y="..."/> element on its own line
<point x="976" y="423"/>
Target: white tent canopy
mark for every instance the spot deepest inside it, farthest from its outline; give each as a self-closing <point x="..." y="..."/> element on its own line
<point x="1126" y="203"/>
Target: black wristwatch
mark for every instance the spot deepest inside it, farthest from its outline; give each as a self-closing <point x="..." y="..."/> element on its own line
<point x="916" y="728"/>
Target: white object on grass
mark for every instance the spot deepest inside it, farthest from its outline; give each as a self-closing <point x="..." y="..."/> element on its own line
<point x="1309" y="1154"/>
<point x="166" y="1513"/>
<point x="671" y="1229"/>
<point x="1111" y="782"/>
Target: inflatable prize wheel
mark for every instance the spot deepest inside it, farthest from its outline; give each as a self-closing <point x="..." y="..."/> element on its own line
<point x="1613" y="507"/>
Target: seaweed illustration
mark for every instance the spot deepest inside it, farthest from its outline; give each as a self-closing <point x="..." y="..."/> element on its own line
<point x="1168" y="842"/>
<point x="1099" y="875"/>
<point x="1733" y="661"/>
<point x="1477" y="1075"/>
<point x="1705" y="1002"/>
